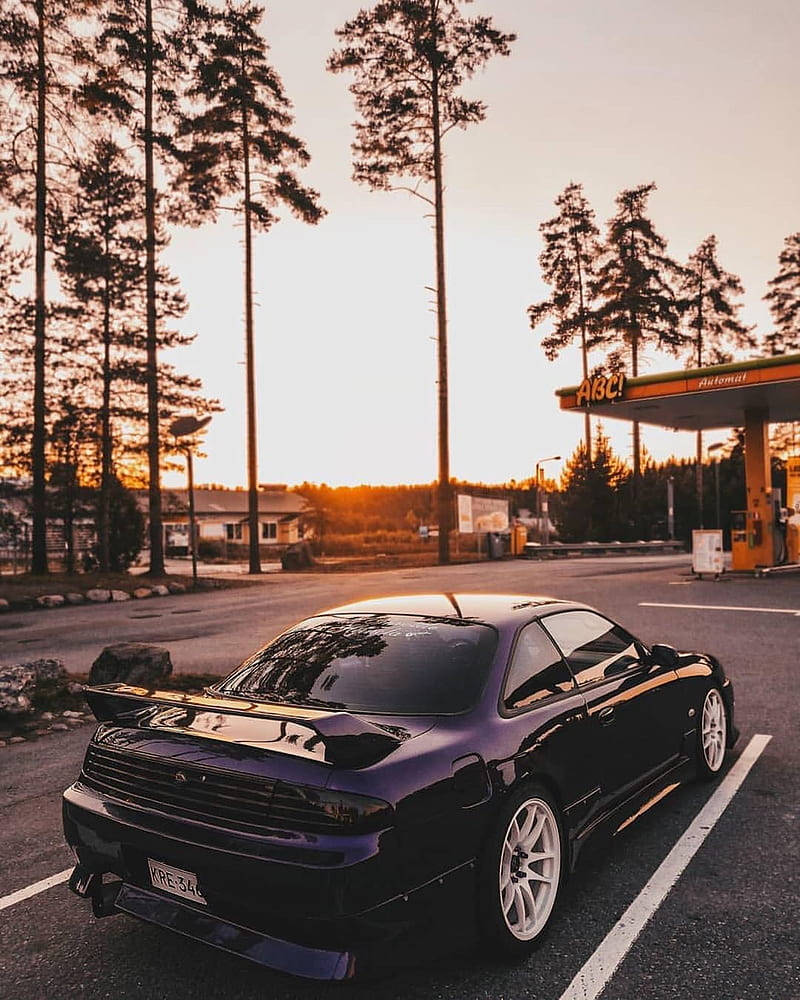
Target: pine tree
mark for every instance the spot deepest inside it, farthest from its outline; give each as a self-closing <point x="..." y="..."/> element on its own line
<point x="589" y="507"/>
<point x="37" y="52"/>
<point x="138" y="76"/>
<point x="100" y="251"/>
<point x="16" y="356"/>
<point x="638" y="307"/>
<point x="784" y="300"/>
<point x="571" y="250"/>
<point x="707" y="295"/>
<point x="99" y="237"/>
<point x="410" y="59"/>
<point x="714" y="331"/>
<point x="241" y="150"/>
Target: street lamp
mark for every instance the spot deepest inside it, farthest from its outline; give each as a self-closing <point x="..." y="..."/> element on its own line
<point x="716" y="447"/>
<point x="541" y="502"/>
<point x="183" y="427"/>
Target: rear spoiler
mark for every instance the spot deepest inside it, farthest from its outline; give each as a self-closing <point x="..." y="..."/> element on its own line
<point x="334" y="737"/>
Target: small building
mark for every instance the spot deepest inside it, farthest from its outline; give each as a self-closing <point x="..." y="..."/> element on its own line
<point x="221" y="516"/>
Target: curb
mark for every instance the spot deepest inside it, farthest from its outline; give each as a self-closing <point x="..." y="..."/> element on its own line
<point x="101" y="595"/>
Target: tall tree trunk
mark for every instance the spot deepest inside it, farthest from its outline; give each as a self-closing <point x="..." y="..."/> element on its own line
<point x="441" y="318"/>
<point x="69" y="520"/>
<point x="38" y="498"/>
<point x="104" y="507"/>
<point x="250" y="375"/>
<point x="699" y="477"/>
<point x="153" y="449"/>
<point x="637" y="444"/>
<point x="699" y="459"/>
<point x="587" y="420"/>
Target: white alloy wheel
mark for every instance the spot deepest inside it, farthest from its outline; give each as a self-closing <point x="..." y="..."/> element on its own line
<point x="530" y="869"/>
<point x="713" y="730"/>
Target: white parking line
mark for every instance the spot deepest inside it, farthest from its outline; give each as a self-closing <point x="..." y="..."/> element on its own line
<point x="601" y="966"/>
<point x="32" y="890"/>
<point x="721" y="607"/>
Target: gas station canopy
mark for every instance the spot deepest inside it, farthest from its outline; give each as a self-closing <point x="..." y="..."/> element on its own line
<point x="749" y="394"/>
<point x="704" y="398"/>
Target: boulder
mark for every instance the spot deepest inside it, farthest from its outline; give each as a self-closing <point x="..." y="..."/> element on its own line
<point x="142" y="592"/>
<point x="176" y="588"/>
<point x="160" y="590"/>
<point x="120" y="595"/>
<point x="19" y="682"/>
<point x="98" y="596"/>
<point x="137" y="663"/>
<point x="50" y="600"/>
<point x="74" y="598"/>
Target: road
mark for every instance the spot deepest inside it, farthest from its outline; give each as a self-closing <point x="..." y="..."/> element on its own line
<point x="212" y="631"/>
<point x="728" y="928"/>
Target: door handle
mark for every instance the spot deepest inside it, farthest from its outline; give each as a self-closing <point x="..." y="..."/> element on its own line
<point x="606" y="715"/>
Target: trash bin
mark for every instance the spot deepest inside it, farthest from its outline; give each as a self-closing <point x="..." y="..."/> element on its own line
<point x="497" y="544"/>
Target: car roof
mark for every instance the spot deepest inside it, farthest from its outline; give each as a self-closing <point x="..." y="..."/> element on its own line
<point x="492" y="609"/>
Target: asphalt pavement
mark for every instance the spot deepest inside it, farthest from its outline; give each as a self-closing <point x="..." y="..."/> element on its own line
<point x="729" y="928"/>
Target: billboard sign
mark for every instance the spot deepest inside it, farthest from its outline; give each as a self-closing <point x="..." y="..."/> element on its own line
<point x="481" y="514"/>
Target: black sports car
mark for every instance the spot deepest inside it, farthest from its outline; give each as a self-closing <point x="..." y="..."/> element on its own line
<point x="384" y="773"/>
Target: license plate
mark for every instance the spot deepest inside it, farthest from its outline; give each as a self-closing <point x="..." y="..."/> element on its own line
<point x="175" y="880"/>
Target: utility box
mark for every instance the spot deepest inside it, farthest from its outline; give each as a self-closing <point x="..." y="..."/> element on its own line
<point x="707" y="555"/>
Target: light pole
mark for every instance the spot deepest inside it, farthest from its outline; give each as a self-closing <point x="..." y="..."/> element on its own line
<point x="541" y="502"/>
<point x="671" y="508"/>
<point x="183" y="427"/>
<point x="716" y="447"/>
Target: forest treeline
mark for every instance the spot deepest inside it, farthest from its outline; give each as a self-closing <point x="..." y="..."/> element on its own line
<point x="593" y="500"/>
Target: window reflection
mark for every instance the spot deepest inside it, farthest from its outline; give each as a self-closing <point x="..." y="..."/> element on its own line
<point x="593" y="646"/>
<point x="537" y="670"/>
<point x="399" y="664"/>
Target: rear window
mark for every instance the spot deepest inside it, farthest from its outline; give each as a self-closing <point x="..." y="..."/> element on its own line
<point x="391" y="664"/>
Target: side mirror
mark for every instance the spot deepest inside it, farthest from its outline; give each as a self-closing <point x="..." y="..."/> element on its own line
<point x="662" y="655"/>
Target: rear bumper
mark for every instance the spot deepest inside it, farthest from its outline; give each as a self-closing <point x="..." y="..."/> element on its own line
<point x="301" y="919"/>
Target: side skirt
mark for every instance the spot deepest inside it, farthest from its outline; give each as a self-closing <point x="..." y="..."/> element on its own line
<point x="604" y="827"/>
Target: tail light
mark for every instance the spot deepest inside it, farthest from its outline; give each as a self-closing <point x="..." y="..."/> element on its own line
<point x="335" y="811"/>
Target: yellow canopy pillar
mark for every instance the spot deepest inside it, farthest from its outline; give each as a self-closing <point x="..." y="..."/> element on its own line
<point x="759" y="550"/>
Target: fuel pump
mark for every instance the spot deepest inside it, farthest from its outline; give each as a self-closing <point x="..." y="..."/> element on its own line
<point x="781" y="519"/>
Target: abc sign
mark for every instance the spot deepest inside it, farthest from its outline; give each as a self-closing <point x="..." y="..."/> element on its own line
<point x="600" y="389"/>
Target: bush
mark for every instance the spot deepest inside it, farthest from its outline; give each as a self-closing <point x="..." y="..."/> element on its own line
<point x="211" y="548"/>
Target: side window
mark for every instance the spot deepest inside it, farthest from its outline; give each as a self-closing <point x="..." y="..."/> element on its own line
<point x="593" y="646"/>
<point x="536" y="671"/>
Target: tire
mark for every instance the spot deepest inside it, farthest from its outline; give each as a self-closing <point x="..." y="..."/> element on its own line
<point x="712" y="735"/>
<point x="521" y="872"/>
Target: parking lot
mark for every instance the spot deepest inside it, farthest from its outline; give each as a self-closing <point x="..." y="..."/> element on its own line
<point x="729" y="926"/>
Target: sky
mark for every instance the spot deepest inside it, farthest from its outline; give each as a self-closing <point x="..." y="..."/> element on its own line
<point x="701" y="98"/>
